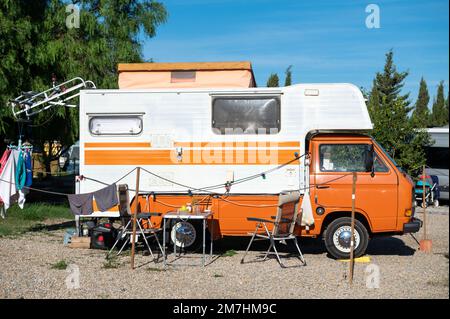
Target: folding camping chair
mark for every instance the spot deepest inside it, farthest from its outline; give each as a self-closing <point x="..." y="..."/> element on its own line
<point x="283" y="226"/>
<point x="125" y="232"/>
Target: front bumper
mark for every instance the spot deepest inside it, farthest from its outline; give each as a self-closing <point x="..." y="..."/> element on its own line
<point x="413" y="226"/>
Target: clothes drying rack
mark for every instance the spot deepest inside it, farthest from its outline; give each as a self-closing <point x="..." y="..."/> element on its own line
<point x="31" y="103"/>
<point x="20" y="147"/>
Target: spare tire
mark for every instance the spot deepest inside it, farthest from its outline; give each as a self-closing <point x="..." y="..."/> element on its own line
<point x="187" y="235"/>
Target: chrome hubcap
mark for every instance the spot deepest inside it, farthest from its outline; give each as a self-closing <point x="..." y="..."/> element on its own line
<point x="342" y="237"/>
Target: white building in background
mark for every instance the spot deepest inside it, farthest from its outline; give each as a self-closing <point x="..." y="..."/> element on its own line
<point x="437" y="158"/>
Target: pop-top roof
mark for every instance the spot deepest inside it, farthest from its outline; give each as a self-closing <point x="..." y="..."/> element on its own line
<point x="185" y="66"/>
<point x="186" y="75"/>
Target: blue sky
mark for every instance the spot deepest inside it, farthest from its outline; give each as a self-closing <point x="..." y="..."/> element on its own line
<point x="325" y="41"/>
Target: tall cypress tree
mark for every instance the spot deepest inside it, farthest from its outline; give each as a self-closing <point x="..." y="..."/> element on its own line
<point x="273" y="81"/>
<point x="288" y="73"/>
<point x="439" y="116"/>
<point x="421" y="112"/>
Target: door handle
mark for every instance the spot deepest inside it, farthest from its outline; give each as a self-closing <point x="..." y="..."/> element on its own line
<point x="322" y="186"/>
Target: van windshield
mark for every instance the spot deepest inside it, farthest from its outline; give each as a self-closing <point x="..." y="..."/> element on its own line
<point x="388" y="156"/>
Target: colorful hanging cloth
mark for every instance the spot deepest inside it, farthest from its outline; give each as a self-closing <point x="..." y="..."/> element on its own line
<point x="3" y="161"/>
<point x="21" y="172"/>
<point x="29" y="169"/>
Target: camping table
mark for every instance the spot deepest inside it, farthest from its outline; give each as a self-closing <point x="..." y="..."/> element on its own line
<point x="188" y="216"/>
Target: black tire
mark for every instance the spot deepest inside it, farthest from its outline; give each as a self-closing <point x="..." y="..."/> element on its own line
<point x="339" y="246"/>
<point x="194" y="229"/>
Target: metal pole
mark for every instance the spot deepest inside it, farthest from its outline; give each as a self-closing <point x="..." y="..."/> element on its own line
<point x="204" y="228"/>
<point x="164" y="241"/>
<point x="352" y="233"/>
<point x="424" y="205"/>
<point x="136" y="204"/>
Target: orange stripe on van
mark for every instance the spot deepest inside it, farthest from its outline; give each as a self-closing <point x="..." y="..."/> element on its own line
<point x="124" y="144"/>
<point x="237" y="144"/>
<point x="201" y="157"/>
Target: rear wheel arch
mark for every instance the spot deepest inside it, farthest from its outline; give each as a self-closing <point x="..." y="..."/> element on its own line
<point x="361" y="217"/>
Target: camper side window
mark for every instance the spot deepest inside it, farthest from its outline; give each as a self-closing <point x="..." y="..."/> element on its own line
<point x="115" y="125"/>
<point x="243" y="115"/>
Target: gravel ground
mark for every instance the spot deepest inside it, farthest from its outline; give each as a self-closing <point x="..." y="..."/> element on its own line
<point x="26" y="271"/>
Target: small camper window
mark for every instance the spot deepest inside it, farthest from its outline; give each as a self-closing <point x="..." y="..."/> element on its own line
<point x="115" y="125"/>
<point x="243" y="115"/>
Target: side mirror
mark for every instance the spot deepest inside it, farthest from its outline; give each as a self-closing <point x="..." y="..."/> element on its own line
<point x="369" y="161"/>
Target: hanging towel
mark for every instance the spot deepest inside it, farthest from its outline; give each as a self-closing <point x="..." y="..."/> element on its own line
<point x="29" y="169"/>
<point x="3" y="161"/>
<point x="8" y="187"/>
<point x="81" y="204"/>
<point x="21" y="171"/>
<point x="307" y="213"/>
<point x="8" y="191"/>
<point x="106" y="198"/>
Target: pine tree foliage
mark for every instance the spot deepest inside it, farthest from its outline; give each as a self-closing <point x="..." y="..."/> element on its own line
<point x="389" y="83"/>
<point x="393" y="128"/>
<point x="273" y="80"/>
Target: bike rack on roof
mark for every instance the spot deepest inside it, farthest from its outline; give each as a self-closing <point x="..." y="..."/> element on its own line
<point x="31" y="103"/>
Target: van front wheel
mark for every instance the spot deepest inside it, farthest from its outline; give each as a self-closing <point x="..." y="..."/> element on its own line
<point x="337" y="238"/>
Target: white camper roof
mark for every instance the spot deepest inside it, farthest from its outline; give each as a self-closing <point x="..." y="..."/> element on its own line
<point x="324" y="106"/>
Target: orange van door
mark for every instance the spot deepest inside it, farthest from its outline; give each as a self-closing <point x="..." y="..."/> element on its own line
<point x="376" y="196"/>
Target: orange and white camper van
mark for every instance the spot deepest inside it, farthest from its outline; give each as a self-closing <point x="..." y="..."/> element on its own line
<point x="233" y="148"/>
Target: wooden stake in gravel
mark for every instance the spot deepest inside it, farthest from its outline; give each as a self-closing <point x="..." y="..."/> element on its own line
<point x="424" y="205"/>
<point x="136" y="204"/>
<point x="425" y="244"/>
<point x="352" y="232"/>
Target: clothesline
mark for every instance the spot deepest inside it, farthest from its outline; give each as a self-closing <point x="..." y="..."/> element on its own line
<point x="162" y="192"/>
<point x="38" y="190"/>
<point x="189" y="189"/>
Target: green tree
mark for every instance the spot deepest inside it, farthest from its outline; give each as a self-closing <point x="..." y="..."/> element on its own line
<point x="389" y="83"/>
<point x="439" y="115"/>
<point x="37" y="43"/>
<point x="288" y="73"/>
<point x="373" y="100"/>
<point x="393" y="129"/>
<point x="273" y="80"/>
<point x="446" y="105"/>
<point x="421" y="112"/>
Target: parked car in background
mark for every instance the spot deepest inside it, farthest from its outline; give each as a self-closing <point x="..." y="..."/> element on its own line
<point x="70" y="159"/>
